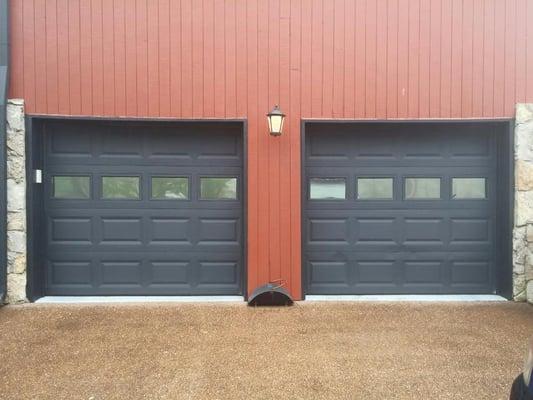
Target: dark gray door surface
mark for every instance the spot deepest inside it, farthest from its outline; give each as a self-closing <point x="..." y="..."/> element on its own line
<point x="399" y="208"/>
<point x="143" y="208"/>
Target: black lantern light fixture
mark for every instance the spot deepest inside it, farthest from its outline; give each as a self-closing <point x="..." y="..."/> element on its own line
<point x="275" y="121"/>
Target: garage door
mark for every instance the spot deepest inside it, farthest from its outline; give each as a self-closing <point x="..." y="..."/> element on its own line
<point x="140" y="208"/>
<point x="399" y="208"/>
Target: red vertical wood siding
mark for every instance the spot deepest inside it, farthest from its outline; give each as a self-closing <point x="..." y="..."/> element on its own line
<point x="350" y="59"/>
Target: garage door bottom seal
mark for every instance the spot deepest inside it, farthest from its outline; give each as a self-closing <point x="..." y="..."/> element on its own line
<point x="136" y="299"/>
<point x="408" y="298"/>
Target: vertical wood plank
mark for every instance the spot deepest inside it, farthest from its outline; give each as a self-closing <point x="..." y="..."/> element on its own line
<point x="86" y="57"/>
<point x="414" y="59"/>
<point x="240" y="58"/>
<point x="29" y="57"/>
<point x="119" y="46"/>
<point x="477" y="61"/>
<point x="339" y="76"/>
<point x="424" y="60"/>
<point x="208" y="58"/>
<point x="370" y="59"/>
<point x="306" y="59"/>
<point x="16" y="32"/>
<point x="130" y="48"/>
<point x="349" y="59"/>
<point x="381" y="60"/>
<point x="230" y="76"/>
<point x="328" y="54"/>
<point x="467" y="58"/>
<point x="272" y="163"/>
<point x="141" y="26"/>
<point x="164" y="57"/>
<point x="97" y="64"/>
<point x="434" y="74"/>
<point x="74" y="56"/>
<point x="262" y="104"/>
<point x="295" y="111"/>
<point x="403" y="58"/>
<point x="529" y="52"/>
<point x="253" y="144"/>
<point x="456" y="59"/>
<point x="392" y="59"/>
<point x="108" y="58"/>
<point x="521" y="49"/>
<point x="177" y="62"/>
<point x="197" y="58"/>
<point x="499" y="59"/>
<point x="283" y="186"/>
<point x="316" y="57"/>
<point x="63" y="67"/>
<point x="360" y="59"/>
<point x="446" y="59"/>
<point x="510" y="56"/>
<point x="40" y="54"/>
<point x="488" y="58"/>
<point x="220" y="59"/>
<point x="152" y="28"/>
<point x="51" y="76"/>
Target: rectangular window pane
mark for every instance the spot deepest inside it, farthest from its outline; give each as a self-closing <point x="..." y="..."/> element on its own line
<point x="327" y="188"/>
<point x="375" y="188"/>
<point x="215" y="188"/>
<point x="422" y="188"/>
<point x="72" y="187"/>
<point x="170" y="188"/>
<point x="120" y="187"/>
<point x="468" y="188"/>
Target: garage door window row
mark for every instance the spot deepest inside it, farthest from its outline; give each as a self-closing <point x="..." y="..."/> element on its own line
<point x="129" y="187"/>
<point x="382" y="188"/>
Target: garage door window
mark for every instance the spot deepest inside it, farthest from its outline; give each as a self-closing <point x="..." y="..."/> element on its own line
<point x="170" y="188"/>
<point x="120" y="187"/>
<point x="422" y="188"/>
<point x="218" y="188"/>
<point x="327" y="188"/>
<point x="469" y="188"/>
<point x="375" y="188"/>
<point x="71" y="187"/>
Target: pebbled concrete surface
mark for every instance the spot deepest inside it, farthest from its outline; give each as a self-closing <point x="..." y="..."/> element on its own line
<point x="229" y="351"/>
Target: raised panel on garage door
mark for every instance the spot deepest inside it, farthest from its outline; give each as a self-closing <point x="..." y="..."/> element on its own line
<point x="125" y="213"/>
<point x="418" y="214"/>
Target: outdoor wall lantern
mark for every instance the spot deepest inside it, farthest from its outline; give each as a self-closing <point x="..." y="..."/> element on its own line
<point x="275" y="121"/>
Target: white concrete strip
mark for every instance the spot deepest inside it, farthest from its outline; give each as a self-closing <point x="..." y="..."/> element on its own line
<point x="409" y="298"/>
<point x="136" y="299"/>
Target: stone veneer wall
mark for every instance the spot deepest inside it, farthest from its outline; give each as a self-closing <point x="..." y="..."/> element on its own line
<point x="523" y="214"/>
<point x="16" y="202"/>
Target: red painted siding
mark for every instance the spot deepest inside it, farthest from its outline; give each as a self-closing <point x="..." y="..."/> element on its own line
<point x="236" y="58"/>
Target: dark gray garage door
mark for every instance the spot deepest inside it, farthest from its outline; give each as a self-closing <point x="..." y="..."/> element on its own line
<point x="143" y="208"/>
<point x="399" y="208"/>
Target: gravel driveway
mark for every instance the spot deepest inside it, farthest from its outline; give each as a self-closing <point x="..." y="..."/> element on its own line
<point x="230" y="351"/>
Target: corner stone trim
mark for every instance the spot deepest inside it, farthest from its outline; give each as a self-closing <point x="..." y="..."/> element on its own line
<point x="16" y="202"/>
<point x="523" y="214"/>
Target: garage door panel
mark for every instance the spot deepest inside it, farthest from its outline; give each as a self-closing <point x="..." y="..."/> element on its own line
<point x="399" y="244"/>
<point x="152" y="244"/>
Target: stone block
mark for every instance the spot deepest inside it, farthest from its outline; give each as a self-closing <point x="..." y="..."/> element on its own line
<point x="16" y="242"/>
<point x="16" y="288"/>
<point x="524" y="141"/>
<point x="17" y="264"/>
<point x="523" y="208"/>
<point x="16" y="195"/>
<point x="523" y="175"/>
<point x="524" y="112"/>
<point x="15" y="115"/>
<point x="16" y="221"/>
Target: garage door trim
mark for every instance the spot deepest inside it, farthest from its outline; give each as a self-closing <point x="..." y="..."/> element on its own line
<point x="35" y="124"/>
<point x="505" y="158"/>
